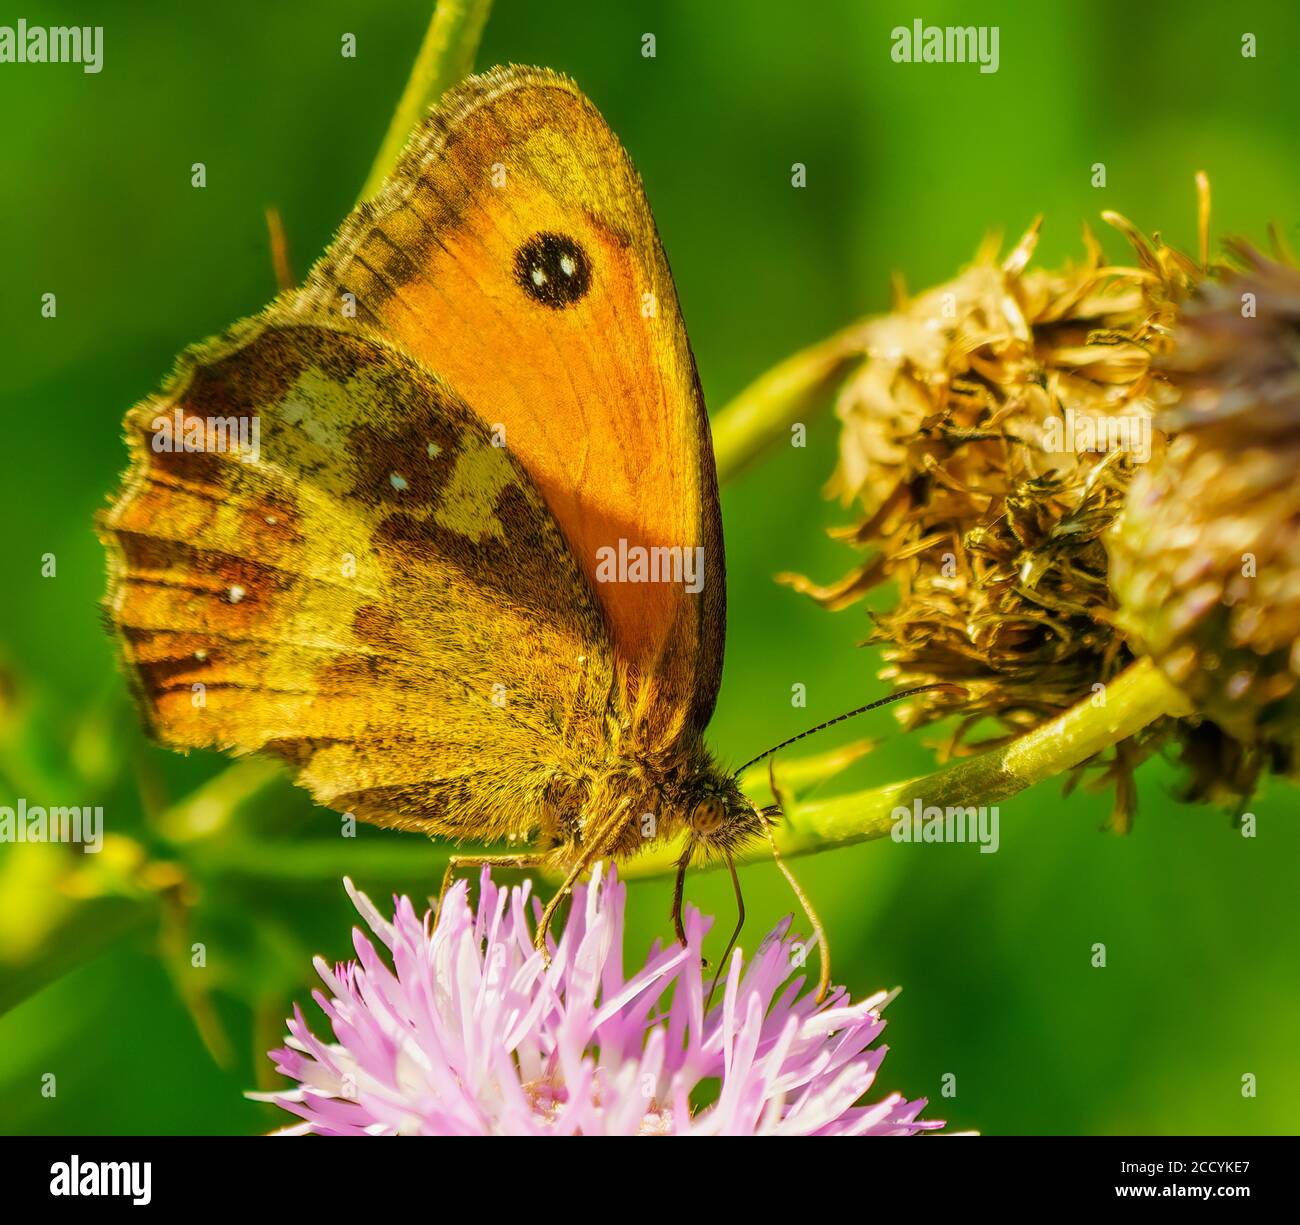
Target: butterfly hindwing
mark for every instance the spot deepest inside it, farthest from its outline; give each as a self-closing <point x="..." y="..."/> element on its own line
<point x="375" y="592"/>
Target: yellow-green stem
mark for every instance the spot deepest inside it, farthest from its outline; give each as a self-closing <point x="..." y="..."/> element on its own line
<point x="1137" y="697"/>
<point x="764" y="412"/>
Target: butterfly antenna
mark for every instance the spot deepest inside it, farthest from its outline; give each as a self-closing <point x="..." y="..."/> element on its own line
<point x="735" y="935"/>
<point x="861" y="710"/>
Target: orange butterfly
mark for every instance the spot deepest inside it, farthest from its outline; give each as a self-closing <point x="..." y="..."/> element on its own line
<point x="463" y="567"/>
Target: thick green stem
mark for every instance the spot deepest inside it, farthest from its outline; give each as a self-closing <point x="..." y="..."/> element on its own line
<point x="446" y="57"/>
<point x="1138" y="696"/>
<point x="764" y="412"/>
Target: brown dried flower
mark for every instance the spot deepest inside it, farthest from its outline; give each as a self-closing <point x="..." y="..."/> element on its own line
<point x="990" y="436"/>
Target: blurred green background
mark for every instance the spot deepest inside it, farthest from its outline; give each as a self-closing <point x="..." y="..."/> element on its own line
<point x="908" y="166"/>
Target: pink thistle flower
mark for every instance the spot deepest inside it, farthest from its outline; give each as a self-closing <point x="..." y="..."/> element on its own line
<point x="468" y="1032"/>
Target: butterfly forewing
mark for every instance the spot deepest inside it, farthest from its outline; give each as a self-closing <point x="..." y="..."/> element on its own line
<point x="513" y="252"/>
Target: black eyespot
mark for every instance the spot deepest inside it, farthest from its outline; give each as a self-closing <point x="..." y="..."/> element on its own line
<point x="553" y="269"/>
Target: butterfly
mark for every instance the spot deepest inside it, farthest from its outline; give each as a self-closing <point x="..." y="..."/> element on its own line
<point x="462" y="568"/>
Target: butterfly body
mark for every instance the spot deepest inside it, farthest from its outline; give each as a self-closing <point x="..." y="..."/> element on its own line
<point x="483" y="391"/>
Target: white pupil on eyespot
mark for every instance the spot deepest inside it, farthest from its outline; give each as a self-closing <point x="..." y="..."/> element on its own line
<point x="539" y="277"/>
<point x="567" y="266"/>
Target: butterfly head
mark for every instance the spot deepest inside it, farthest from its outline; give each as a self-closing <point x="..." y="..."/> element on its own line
<point x="719" y="819"/>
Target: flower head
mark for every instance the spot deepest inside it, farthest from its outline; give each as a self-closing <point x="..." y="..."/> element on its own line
<point x="988" y="438"/>
<point x="464" y="1029"/>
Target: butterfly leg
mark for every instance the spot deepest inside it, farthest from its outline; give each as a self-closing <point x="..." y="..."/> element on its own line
<point x="679" y="889"/>
<point x="603" y="836"/>
<point x="523" y="859"/>
<point x="544" y="926"/>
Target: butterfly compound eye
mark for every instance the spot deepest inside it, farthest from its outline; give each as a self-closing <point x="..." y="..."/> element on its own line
<point x="707" y="815"/>
<point x="553" y="269"/>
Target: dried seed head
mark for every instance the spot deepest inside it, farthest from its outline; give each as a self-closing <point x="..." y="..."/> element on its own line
<point x="989" y="437"/>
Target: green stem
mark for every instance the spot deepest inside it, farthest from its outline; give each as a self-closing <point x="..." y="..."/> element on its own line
<point x="764" y="412"/>
<point x="1136" y="697"/>
<point x="446" y="56"/>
